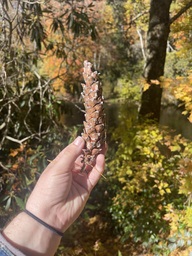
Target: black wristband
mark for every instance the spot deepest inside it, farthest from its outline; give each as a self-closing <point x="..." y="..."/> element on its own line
<point x="44" y="223"/>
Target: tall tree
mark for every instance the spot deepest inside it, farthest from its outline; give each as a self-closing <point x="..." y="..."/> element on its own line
<point x="158" y="33"/>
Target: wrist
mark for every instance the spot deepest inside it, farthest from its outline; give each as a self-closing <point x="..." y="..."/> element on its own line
<point x="30" y="237"/>
<point x="45" y="224"/>
<point x="47" y="215"/>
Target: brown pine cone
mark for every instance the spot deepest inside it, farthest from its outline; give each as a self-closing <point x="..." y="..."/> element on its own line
<point x="94" y="124"/>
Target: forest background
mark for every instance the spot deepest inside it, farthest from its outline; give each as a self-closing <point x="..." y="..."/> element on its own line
<point x="142" y="50"/>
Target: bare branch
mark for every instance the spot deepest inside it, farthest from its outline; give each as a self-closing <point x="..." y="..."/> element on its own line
<point x="142" y="45"/>
<point x="26" y="138"/>
<point x="35" y="2"/>
<point x="137" y="17"/>
<point x="4" y="167"/>
<point x="183" y="10"/>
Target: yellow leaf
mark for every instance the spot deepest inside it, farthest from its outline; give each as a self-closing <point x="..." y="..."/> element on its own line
<point x="155" y="81"/>
<point x="161" y="192"/>
<point x="190" y="118"/>
<point x="188" y="216"/>
<point x="146" y="86"/>
<point x="168" y="190"/>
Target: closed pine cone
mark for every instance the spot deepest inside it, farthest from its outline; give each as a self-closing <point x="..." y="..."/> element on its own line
<point x="94" y="124"/>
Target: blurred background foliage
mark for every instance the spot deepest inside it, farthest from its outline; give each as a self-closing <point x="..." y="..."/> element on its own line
<point x="144" y="205"/>
<point x="151" y="177"/>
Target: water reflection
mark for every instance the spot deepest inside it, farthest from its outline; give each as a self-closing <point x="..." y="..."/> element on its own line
<point x="72" y="114"/>
<point x="171" y="116"/>
<point x="174" y="119"/>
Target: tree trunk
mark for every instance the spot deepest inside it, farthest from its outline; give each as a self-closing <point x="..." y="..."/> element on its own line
<point x="158" y="32"/>
<point x="151" y="102"/>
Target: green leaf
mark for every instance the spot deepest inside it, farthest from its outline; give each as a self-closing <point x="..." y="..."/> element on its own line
<point x="91" y="207"/>
<point x="5" y="198"/>
<point x="8" y="204"/>
<point x="33" y="157"/>
<point x="28" y="181"/>
<point x="20" y="202"/>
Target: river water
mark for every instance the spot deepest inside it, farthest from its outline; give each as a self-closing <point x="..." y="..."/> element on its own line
<point x="174" y="119"/>
<point x="171" y="116"/>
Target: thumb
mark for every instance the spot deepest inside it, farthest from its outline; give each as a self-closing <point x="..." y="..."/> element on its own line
<point x="65" y="160"/>
<point x="97" y="171"/>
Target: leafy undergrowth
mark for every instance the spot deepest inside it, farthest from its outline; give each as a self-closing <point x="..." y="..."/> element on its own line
<point x="94" y="236"/>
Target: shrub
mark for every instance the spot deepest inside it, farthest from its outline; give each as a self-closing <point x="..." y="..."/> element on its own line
<point x="145" y="178"/>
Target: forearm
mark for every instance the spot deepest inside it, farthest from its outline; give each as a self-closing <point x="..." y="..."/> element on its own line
<point x="30" y="237"/>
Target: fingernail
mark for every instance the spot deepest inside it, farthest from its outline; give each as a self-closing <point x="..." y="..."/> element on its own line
<point x="78" y="141"/>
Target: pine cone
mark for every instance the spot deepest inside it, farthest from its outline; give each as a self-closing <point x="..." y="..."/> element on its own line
<point x="94" y="124"/>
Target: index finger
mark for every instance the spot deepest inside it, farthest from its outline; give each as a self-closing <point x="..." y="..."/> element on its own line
<point x="65" y="160"/>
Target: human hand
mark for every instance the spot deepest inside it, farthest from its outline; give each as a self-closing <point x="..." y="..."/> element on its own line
<point x="62" y="191"/>
<point x="58" y="198"/>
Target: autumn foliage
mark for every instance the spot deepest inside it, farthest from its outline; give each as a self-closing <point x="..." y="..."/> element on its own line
<point x="146" y="200"/>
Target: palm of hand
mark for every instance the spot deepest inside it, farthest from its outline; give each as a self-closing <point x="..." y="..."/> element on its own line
<point x="61" y="192"/>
